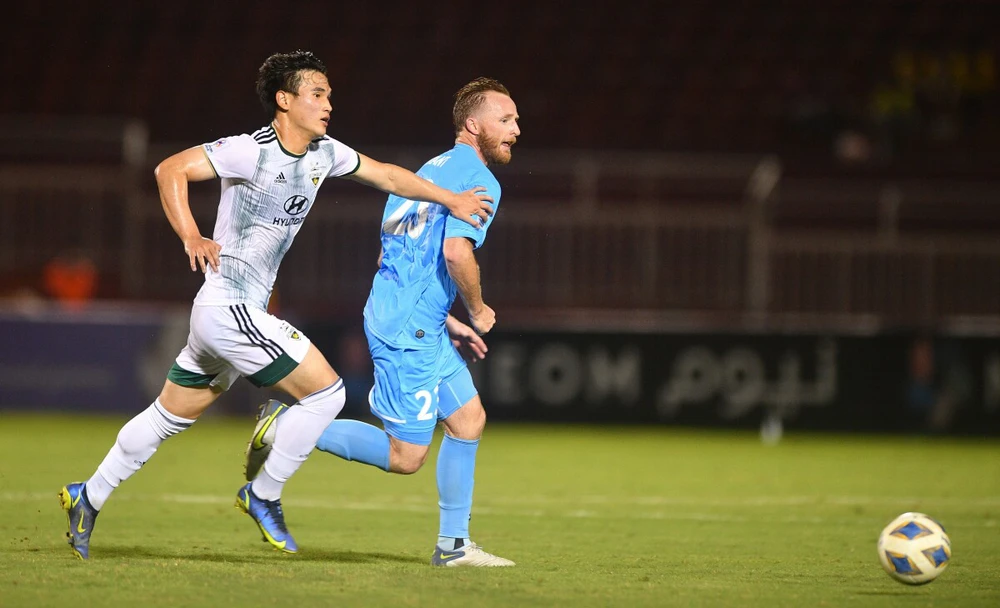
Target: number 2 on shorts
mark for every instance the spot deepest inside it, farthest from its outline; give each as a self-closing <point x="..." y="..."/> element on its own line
<point x="425" y="412"/>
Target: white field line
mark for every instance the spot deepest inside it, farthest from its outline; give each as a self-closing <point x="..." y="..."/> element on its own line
<point x="570" y="507"/>
<point x="752" y="501"/>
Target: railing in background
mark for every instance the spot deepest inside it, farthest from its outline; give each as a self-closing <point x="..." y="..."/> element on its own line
<point x="67" y="185"/>
<point x="911" y="280"/>
<point x="720" y="238"/>
<point x="48" y="211"/>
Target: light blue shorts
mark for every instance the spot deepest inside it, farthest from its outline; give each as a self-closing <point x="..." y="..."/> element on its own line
<point x="416" y="388"/>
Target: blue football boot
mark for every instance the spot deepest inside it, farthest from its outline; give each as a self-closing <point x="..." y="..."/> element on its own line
<point x="269" y="518"/>
<point x="73" y="498"/>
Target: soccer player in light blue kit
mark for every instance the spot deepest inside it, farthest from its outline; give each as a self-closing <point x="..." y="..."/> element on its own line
<point x="420" y="375"/>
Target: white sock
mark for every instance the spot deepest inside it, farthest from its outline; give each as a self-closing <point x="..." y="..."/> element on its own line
<point x="136" y="443"/>
<point x="298" y="431"/>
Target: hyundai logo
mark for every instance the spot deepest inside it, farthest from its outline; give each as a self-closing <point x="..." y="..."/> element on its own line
<point x="296" y="205"/>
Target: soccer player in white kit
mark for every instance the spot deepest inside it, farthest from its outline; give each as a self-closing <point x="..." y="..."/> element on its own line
<point x="269" y="184"/>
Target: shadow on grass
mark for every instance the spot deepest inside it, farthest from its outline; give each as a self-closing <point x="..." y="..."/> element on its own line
<point x="255" y="556"/>
<point x="878" y="593"/>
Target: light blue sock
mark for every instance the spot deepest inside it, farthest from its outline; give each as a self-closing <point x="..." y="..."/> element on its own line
<point x="456" y="467"/>
<point x="356" y="440"/>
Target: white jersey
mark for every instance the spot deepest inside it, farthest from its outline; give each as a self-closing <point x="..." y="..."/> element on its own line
<point x="266" y="194"/>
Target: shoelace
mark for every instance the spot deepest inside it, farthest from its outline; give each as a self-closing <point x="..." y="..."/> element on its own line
<point x="274" y="510"/>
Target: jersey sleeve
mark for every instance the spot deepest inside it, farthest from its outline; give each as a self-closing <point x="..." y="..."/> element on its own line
<point x="234" y="157"/>
<point x="457" y="228"/>
<point x="345" y="160"/>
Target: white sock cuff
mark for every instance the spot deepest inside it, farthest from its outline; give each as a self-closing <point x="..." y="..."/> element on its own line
<point x="324" y="393"/>
<point x="326" y="403"/>
<point x="172" y="417"/>
<point x="164" y="423"/>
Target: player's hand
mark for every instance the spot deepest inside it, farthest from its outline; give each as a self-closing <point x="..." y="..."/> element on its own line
<point x="473" y="206"/>
<point x="484" y="320"/>
<point x="467" y="342"/>
<point x="202" y="253"/>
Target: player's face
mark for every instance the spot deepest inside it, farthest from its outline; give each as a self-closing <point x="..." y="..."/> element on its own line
<point x="310" y="107"/>
<point x="498" y="128"/>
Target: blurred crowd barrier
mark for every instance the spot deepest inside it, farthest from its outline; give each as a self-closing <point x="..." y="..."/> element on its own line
<point x="114" y="359"/>
<point x="102" y="359"/>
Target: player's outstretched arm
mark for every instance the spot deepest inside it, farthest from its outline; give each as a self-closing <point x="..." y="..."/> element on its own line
<point x="462" y="266"/>
<point x="472" y="206"/>
<point x="172" y="178"/>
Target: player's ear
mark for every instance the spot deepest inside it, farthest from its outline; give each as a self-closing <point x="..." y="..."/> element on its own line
<point x="472" y="125"/>
<point x="281" y="98"/>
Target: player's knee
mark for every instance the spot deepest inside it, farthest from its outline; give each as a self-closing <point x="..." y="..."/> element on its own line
<point x="469" y="424"/>
<point x="407" y="468"/>
<point x="186" y="402"/>
<point x="407" y="465"/>
<point x="405" y="458"/>
<point x="479" y="422"/>
<point x="310" y="376"/>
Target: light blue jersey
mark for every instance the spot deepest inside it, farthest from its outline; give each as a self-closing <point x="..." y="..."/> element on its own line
<point x="412" y="292"/>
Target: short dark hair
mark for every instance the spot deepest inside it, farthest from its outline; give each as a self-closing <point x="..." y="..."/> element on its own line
<point x="469" y="98"/>
<point x="283" y="72"/>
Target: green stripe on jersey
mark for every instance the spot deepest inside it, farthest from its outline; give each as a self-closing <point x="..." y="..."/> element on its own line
<point x="274" y="372"/>
<point x="355" y="169"/>
<point x="182" y="377"/>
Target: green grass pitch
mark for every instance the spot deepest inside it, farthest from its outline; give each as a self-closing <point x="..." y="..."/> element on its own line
<point x="611" y="516"/>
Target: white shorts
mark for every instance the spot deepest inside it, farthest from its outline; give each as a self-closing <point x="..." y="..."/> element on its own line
<point x="226" y="342"/>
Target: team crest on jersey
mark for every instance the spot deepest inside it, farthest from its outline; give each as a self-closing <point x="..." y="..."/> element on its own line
<point x="315" y="174"/>
<point x="290" y="331"/>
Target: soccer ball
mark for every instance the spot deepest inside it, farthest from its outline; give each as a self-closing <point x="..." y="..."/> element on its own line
<point x="914" y="549"/>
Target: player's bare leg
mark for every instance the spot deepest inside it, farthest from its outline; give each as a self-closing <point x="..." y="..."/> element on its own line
<point x="406" y="458"/>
